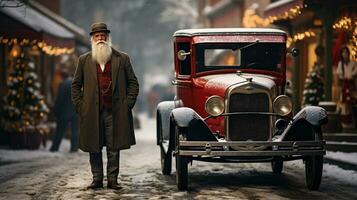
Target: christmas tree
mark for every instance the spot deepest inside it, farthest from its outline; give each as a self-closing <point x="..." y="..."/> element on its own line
<point x="313" y="88"/>
<point x="25" y="111"/>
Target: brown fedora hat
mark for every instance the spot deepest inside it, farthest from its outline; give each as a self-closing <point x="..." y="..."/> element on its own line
<point x="99" y="27"/>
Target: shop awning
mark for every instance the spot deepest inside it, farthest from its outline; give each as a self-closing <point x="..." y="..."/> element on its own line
<point x="282" y="7"/>
<point x="26" y="23"/>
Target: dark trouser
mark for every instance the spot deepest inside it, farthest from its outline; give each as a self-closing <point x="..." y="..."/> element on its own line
<point x="95" y="159"/>
<point x="62" y="123"/>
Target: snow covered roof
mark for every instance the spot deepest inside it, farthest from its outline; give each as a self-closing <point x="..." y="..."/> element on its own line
<point x="227" y="31"/>
<point x="36" y="21"/>
<point x="281" y="6"/>
<point x="79" y="33"/>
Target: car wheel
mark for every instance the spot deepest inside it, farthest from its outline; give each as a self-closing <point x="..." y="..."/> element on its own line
<point x="181" y="172"/>
<point x="181" y="166"/>
<point x="277" y="166"/>
<point x="166" y="161"/>
<point x="314" y="166"/>
<point x="165" y="157"/>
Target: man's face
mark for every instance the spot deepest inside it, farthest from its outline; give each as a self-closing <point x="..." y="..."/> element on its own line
<point x="100" y="36"/>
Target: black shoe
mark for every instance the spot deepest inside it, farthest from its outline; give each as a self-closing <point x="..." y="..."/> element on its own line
<point x="114" y="185"/>
<point x="95" y="185"/>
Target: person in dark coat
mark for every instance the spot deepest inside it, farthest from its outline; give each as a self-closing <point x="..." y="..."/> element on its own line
<point x="104" y="91"/>
<point x="65" y="114"/>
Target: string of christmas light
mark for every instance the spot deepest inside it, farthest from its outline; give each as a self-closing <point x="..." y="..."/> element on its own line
<point x="290" y="14"/>
<point x="299" y="36"/>
<point x="46" y="48"/>
<point x="252" y="20"/>
<point x="353" y="43"/>
<point x="343" y="23"/>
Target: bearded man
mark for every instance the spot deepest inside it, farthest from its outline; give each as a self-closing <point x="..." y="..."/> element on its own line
<point x="104" y="91"/>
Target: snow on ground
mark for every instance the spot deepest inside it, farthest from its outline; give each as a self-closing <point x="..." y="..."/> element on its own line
<point x="342" y="156"/>
<point x="9" y="155"/>
<point x="146" y="135"/>
<point x="347" y="176"/>
<point x="329" y="171"/>
<point x="147" y="132"/>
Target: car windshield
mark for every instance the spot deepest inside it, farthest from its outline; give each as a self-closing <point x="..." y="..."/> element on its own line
<point x="261" y="56"/>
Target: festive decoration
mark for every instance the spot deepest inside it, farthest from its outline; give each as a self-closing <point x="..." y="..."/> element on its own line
<point x="48" y="49"/>
<point x="349" y="25"/>
<point x="290" y="14"/>
<point x="353" y="43"/>
<point x="314" y="88"/>
<point x="299" y="36"/>
<point x="343" y="23"/>
<point x="252" y="20"/>
<point x="25" y="111"/>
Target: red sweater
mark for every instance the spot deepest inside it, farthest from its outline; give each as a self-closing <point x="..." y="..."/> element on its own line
<point x="105" y="86"/>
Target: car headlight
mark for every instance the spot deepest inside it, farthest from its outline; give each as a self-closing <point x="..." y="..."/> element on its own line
<point x="282" y="105"/>
<point x="214" y="105"/>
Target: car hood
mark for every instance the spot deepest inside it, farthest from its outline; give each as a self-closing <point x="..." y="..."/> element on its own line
<point x="219" y="83"/>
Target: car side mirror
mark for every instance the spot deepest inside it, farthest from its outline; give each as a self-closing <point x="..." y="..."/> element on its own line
<point x="294" y="52"/>
<point x="182" y="55"/>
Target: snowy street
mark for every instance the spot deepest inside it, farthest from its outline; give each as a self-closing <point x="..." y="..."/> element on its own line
<point x="63" y="175"/>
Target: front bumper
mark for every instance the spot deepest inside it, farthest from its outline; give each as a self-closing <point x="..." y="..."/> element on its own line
<point x="263" y="148"/>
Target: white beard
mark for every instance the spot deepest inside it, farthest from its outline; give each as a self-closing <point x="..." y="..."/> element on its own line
<point x="101" y="51"/>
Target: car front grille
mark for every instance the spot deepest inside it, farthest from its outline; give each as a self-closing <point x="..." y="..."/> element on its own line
<point x="249" y="127"/>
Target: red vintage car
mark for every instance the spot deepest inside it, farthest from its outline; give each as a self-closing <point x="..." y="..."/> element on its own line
<point x="230" y="105"/>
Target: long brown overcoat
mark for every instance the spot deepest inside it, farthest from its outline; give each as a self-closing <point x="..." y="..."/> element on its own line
<point x="85" y="97"/>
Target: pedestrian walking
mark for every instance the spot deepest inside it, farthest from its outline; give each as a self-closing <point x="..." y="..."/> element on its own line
<point x="347" y="74"/>
<point x="65" y="114"/>
<point x="104" y="91"/>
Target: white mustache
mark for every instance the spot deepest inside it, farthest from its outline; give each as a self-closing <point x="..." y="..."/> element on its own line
<point x="101" y="42"/>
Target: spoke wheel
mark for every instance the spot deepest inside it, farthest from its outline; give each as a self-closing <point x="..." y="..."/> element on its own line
<point x="314" y="166"/>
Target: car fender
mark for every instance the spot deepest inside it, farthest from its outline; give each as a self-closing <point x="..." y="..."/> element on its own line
<point x="315" y="115"/>
<point x="194" y="126"/>
<point x="163" y="116"/>
<point x="301" y="128"/>
<point x="183" y="116"/>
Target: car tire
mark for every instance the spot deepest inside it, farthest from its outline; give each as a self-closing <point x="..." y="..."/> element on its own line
<point x="166" y="161"/>
<point x="165" y="157"/>
<point x="314" y="166"/>
<point x="277" y="166"/>
<point x="181" y="173"/>
<point x="181" y="165"/>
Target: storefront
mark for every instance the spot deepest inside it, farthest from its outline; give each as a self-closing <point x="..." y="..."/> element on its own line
<point x="31" y="44"/>
<point x="312" y="23"/>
